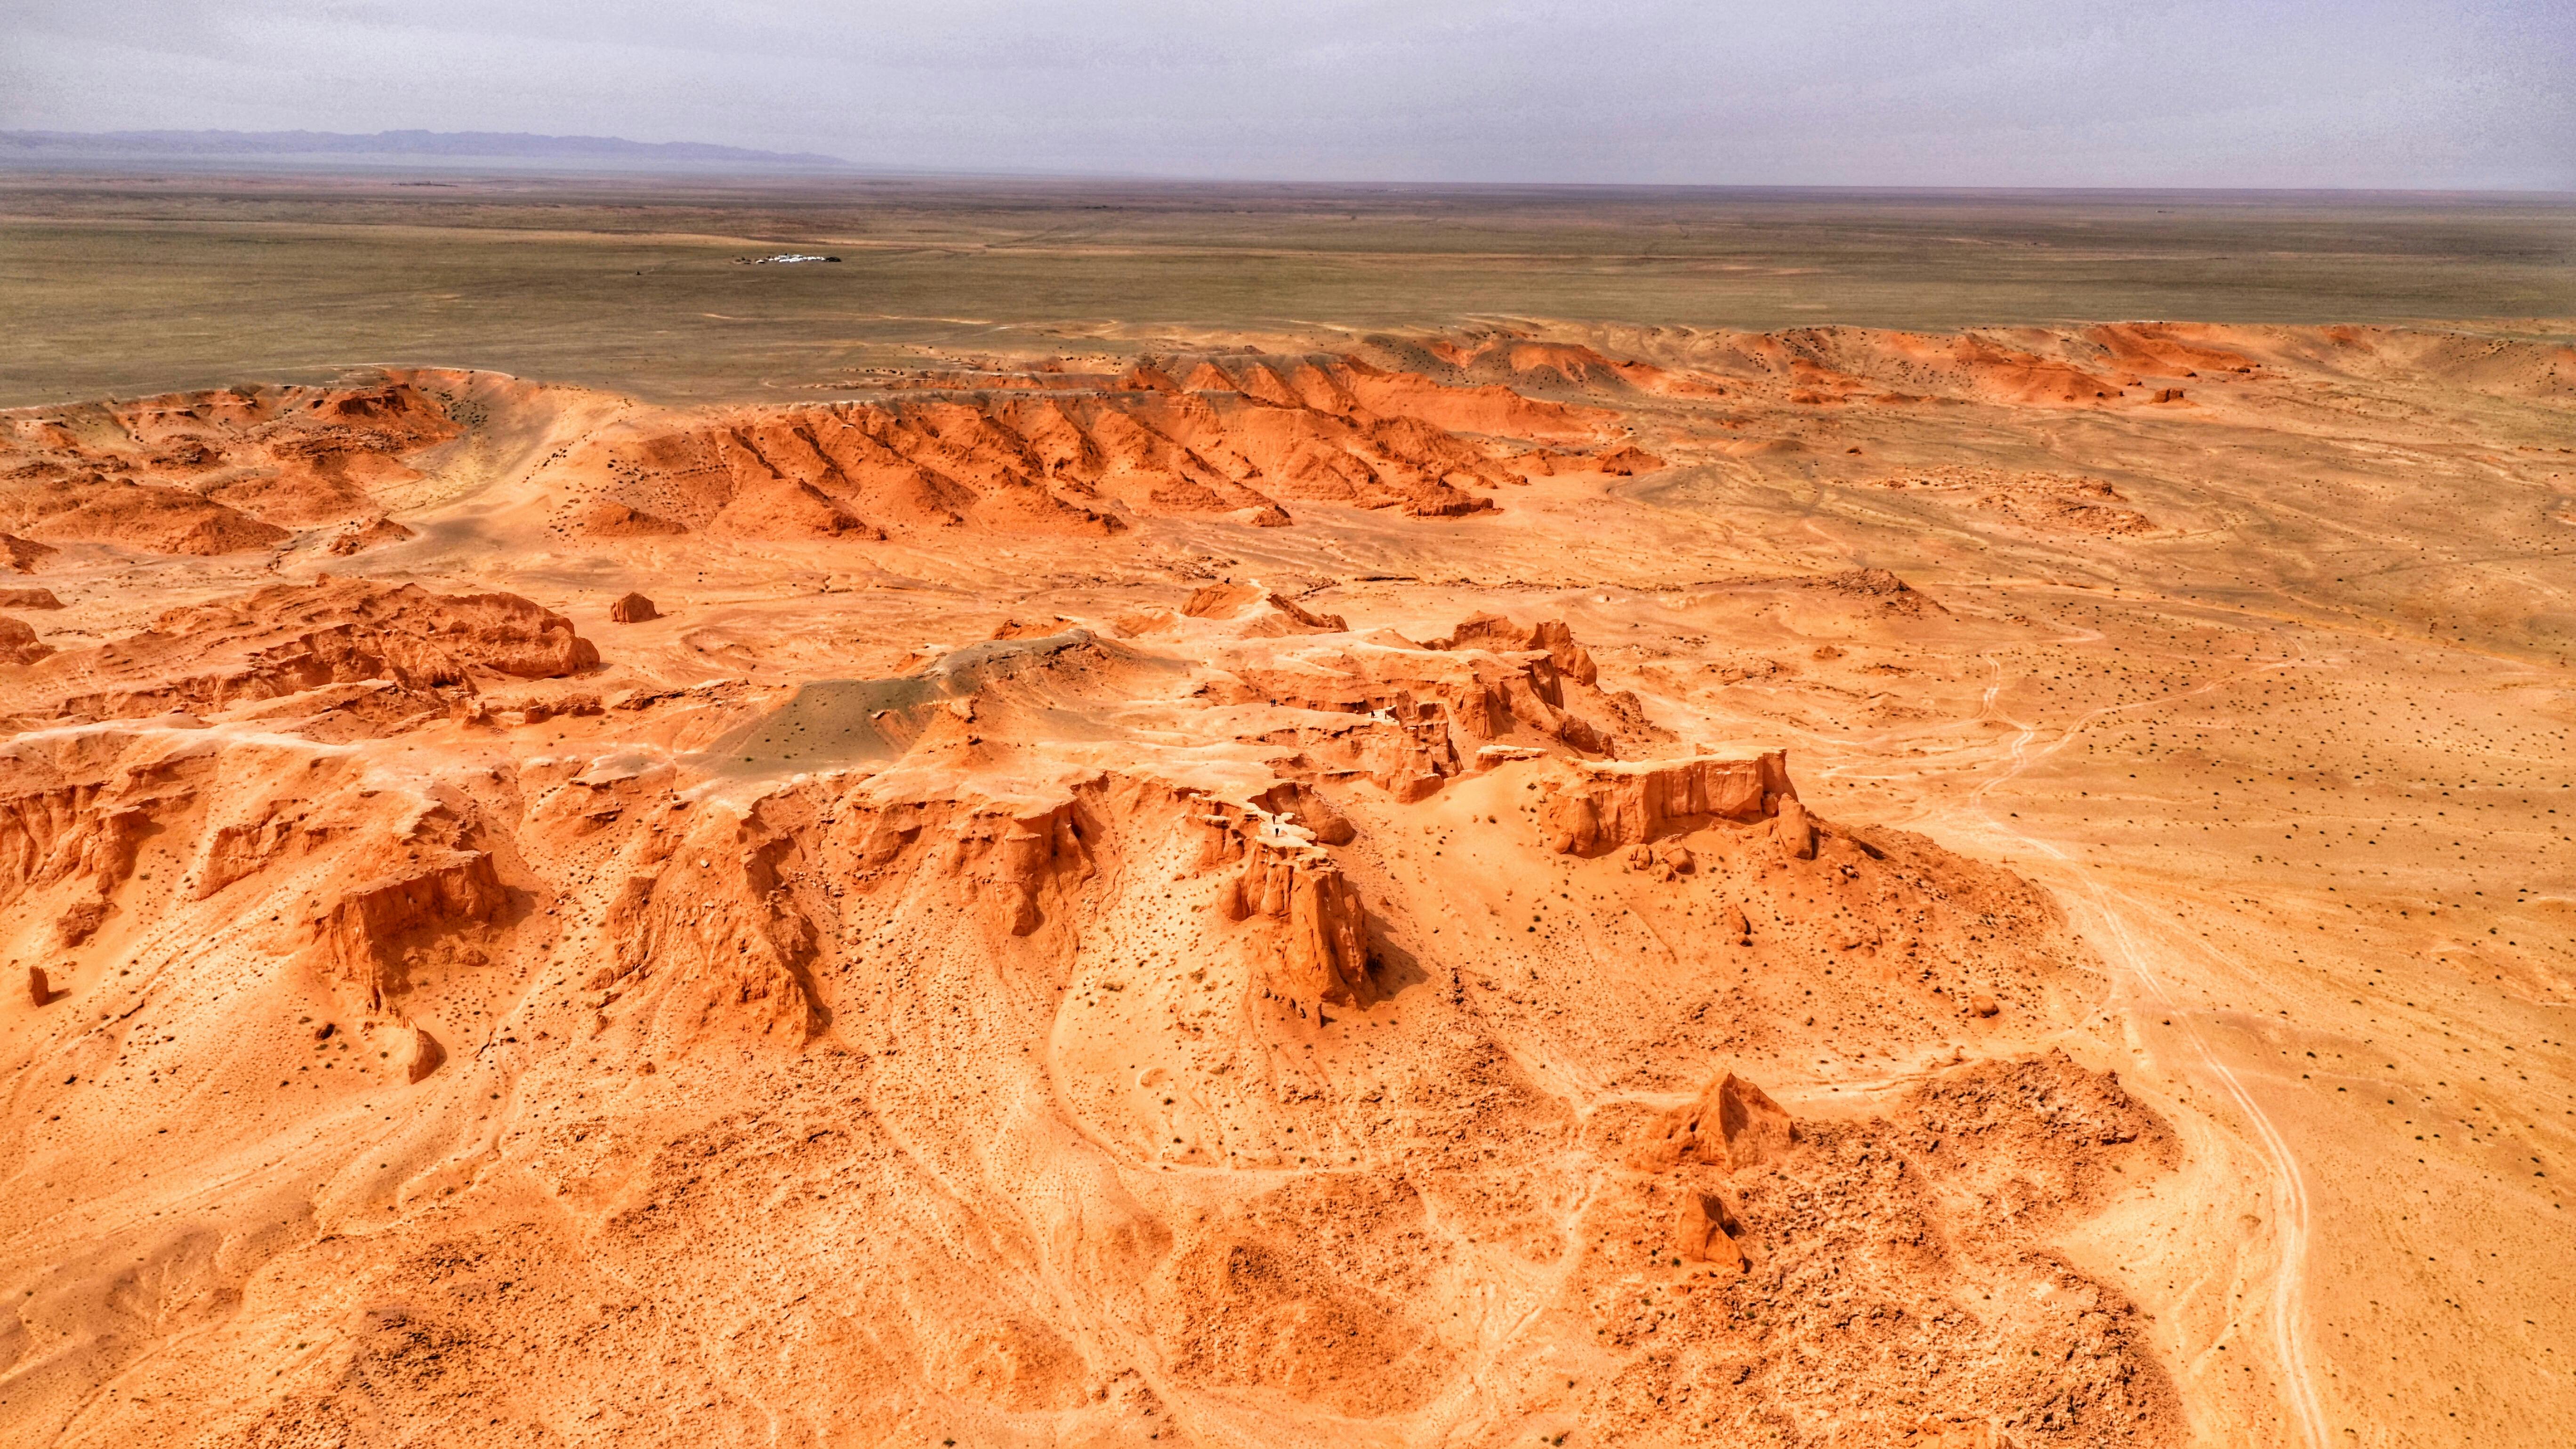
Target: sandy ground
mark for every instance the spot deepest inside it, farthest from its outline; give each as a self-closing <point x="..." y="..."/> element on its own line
<point x="1014" y="1059"/>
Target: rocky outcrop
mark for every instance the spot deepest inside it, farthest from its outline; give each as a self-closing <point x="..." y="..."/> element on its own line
<point x="145" y="517"/>
<point x="1795" y="832"/>
<point x="1267" y="610"/>
<point x="80" y="920"/>
<point x="18" y="642"/>
<point x="211" y="472"/>
<point x="632" y="609"/>
<point x="29" y="599"/>
<point x="607" y="519"/>
<point x="1036" y="851"/>
<point x="1410" y="760"/>
<point x="1596" y="807"/>
<point x="422" y="1055"/>
<point x="710" y="934"/>
<point x="1733" y="1125"/>
<point x="1307" y="807"/>
<point x="1428" y="700"/>
<point x="1707" y="1230"/>
<point x="23" y="555"/>
<point x="1501" y="635"/>
<point x="374" y="535"/>
<point x="290" y="638"/>
<point x="1320" y="952"/>
<point x="86" y="831"/>
<point x="242" y="848"/>
<point x="364" y="934"/>
<point x="1068" y="452"/>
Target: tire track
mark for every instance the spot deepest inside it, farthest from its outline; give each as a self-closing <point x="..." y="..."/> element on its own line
<point x="2112" y="931"/>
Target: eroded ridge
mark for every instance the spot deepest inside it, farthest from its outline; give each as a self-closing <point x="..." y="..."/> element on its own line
<point x="1117" y="941"/>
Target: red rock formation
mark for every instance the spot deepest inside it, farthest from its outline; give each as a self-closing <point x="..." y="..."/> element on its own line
<point x="1796" y="833"/>
<point x="422" y="1055"/>
<point x="362" y="935"/>
<point x="80" y="920"/>
<point x="18" y="642"/>
<point x="86" y="831"/>
<point x="29" y="599"/>
<point x="1599" y="807"/>
<point x="1708" y="1231"/>
<point x="1625" y="461"/>
<point x="632" y="609"/>
<point x="1422" y="696"/>
<point x="288" y="637"/>
<point x="1321" y="955"/>
<point x="210" y="473"/>
<point x="1733" y="1125"/>
<point x="606" y="519"/>
<point x="20" y="555"/>
<point x="139" y="516"/>
<point x="1080" y="454"/>
<point x="1274" y="612"/>
<point x="1307" y="807"/>
<point x="1500" y="634"/>
<point x="374" y="535"/>
<point x="1034" y="852"/>
<point x="709" y="937"/>
<point x="235" y="851"/>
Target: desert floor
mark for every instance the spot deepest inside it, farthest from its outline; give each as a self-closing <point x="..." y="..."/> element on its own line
<point x="1062" y="926"/>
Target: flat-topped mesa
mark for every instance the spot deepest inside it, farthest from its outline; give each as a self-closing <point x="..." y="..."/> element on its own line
<point x="1591" y="807"/>
<point x="1322" y="954"/>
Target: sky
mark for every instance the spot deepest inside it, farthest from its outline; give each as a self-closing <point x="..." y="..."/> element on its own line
<point x="2443" y="94"/>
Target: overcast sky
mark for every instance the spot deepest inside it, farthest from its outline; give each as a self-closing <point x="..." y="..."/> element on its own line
<point x="2401" y="93"/>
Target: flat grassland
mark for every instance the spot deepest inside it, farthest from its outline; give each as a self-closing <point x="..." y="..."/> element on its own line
<point x="121" y="284"/>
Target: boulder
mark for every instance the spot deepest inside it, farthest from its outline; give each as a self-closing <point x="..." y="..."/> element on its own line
<point x="424" y="1057"/>
<point x="632" y="609"/>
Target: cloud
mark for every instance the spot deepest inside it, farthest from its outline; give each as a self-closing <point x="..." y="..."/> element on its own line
<point x="1977" y="92"/>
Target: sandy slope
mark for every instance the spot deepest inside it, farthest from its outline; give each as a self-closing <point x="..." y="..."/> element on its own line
<point x="1255" y="898"/>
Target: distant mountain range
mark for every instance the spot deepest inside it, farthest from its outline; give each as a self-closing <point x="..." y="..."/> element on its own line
<point x="402" y="148"/>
